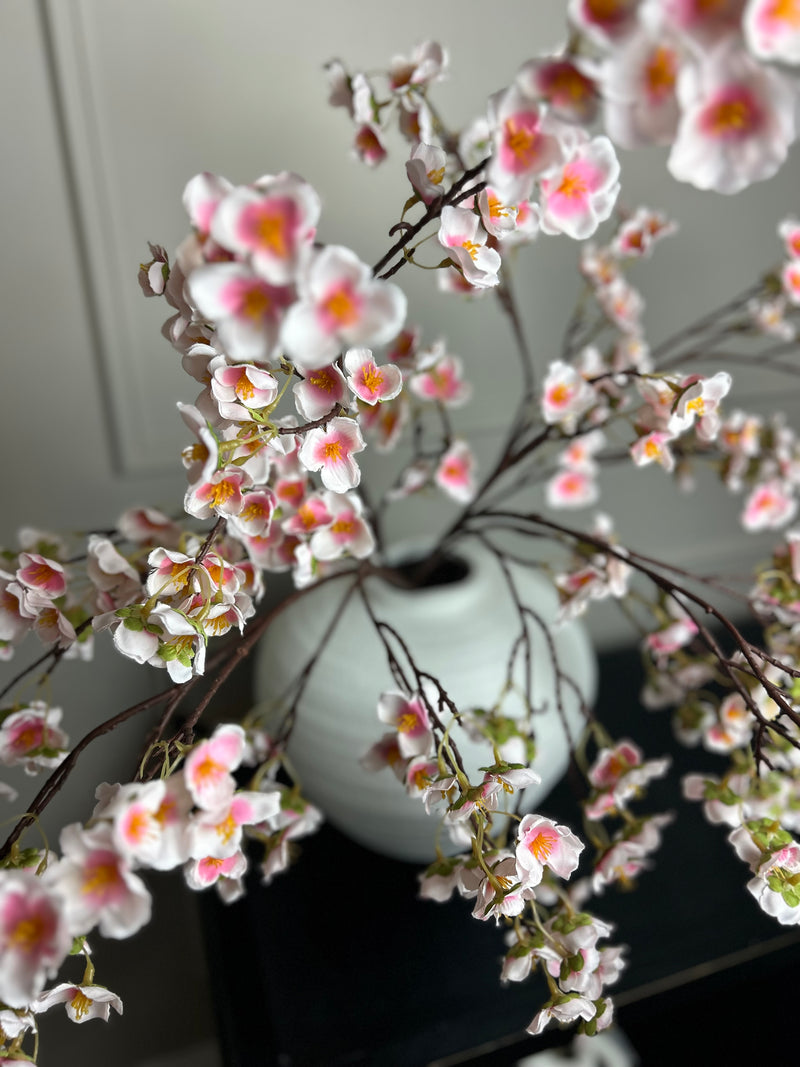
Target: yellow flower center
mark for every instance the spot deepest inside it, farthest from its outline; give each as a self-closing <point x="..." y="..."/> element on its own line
<point x="80" y="1004"/>
<point x="372" y="377"/>
<point x="785" y="11"/>
<point x="27" y="934"/>
<point x="573" y="184"/>
<point x="101" y="876"/>
<point x="341" y="307"/>
<point x="542" y="844"/>
<point x="271" y="231"/>
<point x="220" y="494"/>
<point x="521" y="141"/>
<point x="245" y="389"/>
<point x="660" y="72"/>
<point x="256" y="304"/>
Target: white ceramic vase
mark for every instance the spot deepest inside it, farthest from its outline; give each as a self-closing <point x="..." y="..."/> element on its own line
<point x="460" y="632"/>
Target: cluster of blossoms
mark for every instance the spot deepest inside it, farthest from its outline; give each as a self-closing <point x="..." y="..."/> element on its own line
<point x="303" y="358"/>
<point x="194" y="819"/>
<point x="516" y="884"/>
<point x="708" y="79"/>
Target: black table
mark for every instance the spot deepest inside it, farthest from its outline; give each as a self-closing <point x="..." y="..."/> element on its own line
<point x="338" y="963"/>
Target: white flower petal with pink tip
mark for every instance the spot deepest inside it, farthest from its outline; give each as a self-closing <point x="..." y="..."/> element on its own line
<point x="368" y="381"/>
<point x="456" y="472"/>
<point x="272" y="224"/>
<point x="208" y="767"/>
<point x="330" y="452"/>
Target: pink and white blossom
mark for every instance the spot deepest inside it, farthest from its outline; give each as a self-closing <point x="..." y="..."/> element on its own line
<point x="246" y="310"/>
<point x="32" y="737"/>
<point x="737" y="121"/>
<point x="567" y="83"/>
<point x="320" y="391"/>
<point x="346" y="533"/>
<point x="580" y="194"/>
<point x="572" y="489"/>
<point x="455" y="473"/>
<point x="241" y="389"/>
<point x="97" y="884"/>
<point x="566" y="395"/>
<point x="769" y="505"/>
<point x="82" y="1002"/>
<point x="440" y="378"/>
<point x="209" y="766"/>
<point x="411" y="720"/>
<point x="461" y="233"/>
<point x="370" y="383"/>
<point x="524" y="143"/>
<point x="426" y="170"/>
<point x="34" y="938"/>
<point x="654" y="448"/>
<point x="542" y="843"/>
<point x="41" y="575"/>
<point x="271" y="223"/>
<point x="330" y="451"/>
<point x="217" y="833"/>
<point x="340" y="305"/>
<point x="220" y="495"/>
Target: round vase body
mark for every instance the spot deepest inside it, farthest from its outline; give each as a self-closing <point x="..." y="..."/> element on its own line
<point x="462" y="633"/>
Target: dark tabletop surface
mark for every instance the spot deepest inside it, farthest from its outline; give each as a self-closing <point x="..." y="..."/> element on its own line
<point x="338" y="963"/>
